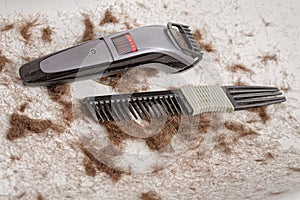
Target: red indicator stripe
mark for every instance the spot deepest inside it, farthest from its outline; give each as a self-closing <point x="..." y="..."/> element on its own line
<point x="124" y="44"/>
<point x="131" y="42"/>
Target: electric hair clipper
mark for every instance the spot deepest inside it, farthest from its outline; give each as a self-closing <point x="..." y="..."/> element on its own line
<point x="173" y="46"/>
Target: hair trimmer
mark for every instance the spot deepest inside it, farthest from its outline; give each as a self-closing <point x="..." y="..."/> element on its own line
<point x="172" y="45"/>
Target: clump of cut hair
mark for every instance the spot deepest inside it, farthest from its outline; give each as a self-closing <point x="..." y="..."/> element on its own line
<point x="239" y="67"/>
<point x="25" y="29"/>
<point x="111" y="81"/>
<point x="262" y="113"/>
<point x="266" y="23"/>
<point x="239" y="82"/>
<point x="7" y="27"/>
<point x="208" y="47"/>
<point x="90" y="169"/>
<point x="265" y="59"/>
<point x="40" y="197"/>
<point x="20" y="125"/>
<point x="23" y="106"/>
<point x="295" y="169"/>
<point x="141" y="5"/>
<point x="115" y="133"/>
<point x="204" y="122"/>
<point x="91" y="163"/>
<point x="4" y="61"/>
<point x="198" y="35"/>
<point x="46" y="34"/>
<point x="164" y="137"/>
<point x="108" y="18"/>
<point x="150" y="195"/>
<point x="59" y="94"/>
<point x="240" y="129"/>
<point x="127" y="25"/>
<point x="285" y="88"/>
<point x="89" y="31"/>
<point x="223" y="144"/>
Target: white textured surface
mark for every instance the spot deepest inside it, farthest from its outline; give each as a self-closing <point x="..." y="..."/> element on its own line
<point x="50" y="166"/>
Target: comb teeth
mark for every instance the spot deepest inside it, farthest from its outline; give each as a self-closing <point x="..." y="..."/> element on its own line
<point x="144" y="106"/>
<point x="245" y="97"/>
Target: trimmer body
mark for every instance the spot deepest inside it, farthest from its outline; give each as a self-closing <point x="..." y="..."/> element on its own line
<point x="172" y="45"/>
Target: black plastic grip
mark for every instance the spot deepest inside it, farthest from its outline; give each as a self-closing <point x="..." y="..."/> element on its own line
<point x="144" y="105"/>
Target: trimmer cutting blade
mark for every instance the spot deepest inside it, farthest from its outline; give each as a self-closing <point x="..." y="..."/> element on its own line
<point x="172" y="45"/>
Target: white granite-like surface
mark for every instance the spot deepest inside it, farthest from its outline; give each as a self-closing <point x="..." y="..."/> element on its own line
<point x="240" y="32"/>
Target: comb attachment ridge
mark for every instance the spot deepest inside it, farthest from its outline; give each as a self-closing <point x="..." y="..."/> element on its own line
<point x="209" y="98"/>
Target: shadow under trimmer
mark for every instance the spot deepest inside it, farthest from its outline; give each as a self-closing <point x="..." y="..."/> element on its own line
<point x="173" y="46"/>
<point x="190" y="100"/>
